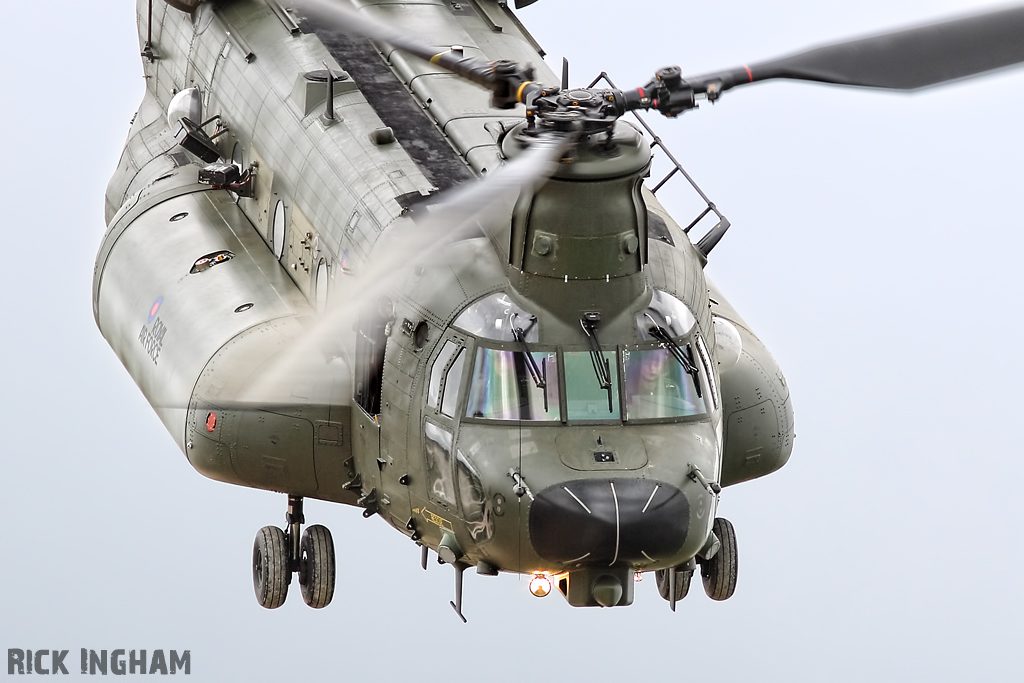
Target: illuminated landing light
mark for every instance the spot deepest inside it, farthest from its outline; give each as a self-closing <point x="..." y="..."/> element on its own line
<point x="638" y="577"/>
<point x="540" y="585"/>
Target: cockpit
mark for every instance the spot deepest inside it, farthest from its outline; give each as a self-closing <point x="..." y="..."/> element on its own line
<point x="507" y="373"/>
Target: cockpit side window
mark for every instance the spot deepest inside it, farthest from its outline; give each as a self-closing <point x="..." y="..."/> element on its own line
<point x="437" y="372"/>
<point x="446" y="378"/>
<point x="452" y="382"/>
<point x="705" y="359"/>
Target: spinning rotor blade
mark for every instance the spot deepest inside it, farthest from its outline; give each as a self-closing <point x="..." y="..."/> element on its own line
<point x="483" y="205"/>
<point x="904" y="60"/>
<point x="464" y="211"/>
<point x="493" y="76"/>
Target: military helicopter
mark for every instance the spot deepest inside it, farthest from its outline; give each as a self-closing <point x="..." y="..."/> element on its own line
<point x="416" y="276"/>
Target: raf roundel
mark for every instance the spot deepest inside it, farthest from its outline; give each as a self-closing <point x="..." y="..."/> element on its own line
<point x="154" y="309"/>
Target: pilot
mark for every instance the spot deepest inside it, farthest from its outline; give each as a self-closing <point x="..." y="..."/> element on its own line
<point x="652" y="389"/>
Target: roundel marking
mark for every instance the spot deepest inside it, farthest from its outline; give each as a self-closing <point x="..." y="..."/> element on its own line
<point x="154" y="309"/>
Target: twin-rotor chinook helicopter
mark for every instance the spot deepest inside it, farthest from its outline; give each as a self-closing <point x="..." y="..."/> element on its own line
<point x="527" y="373"/>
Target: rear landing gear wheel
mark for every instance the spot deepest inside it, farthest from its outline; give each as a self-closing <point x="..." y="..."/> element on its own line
<point x="682" y="583"/>
<point x="719" y="573"/>
<point x="270" y="571"/>
<point x="316" y="566"/>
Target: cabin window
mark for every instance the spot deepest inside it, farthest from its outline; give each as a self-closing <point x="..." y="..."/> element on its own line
<point x="503" y="388"/>
<point x="278" y="230"/>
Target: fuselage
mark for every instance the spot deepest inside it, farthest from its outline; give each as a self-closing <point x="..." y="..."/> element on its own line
<point x="517" y="452"/>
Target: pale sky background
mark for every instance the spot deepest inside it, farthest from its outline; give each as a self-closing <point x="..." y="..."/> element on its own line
<point x="875" y="248"/>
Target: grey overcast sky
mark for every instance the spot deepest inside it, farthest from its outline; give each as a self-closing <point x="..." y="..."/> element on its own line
<point x="875" y="248"/>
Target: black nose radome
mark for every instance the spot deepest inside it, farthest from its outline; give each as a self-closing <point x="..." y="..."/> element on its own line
<point x="607" y="522"/>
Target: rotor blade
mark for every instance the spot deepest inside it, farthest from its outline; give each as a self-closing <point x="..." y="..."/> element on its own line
<point x="483" y="205"/>
<point x="904" y="60"/>
<point x="342" y="16"/>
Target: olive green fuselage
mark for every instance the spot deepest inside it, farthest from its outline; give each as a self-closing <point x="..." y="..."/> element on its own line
<point x="424" y="412"/>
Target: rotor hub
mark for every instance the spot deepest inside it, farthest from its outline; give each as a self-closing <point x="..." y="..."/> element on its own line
<point x="591" y="109"/>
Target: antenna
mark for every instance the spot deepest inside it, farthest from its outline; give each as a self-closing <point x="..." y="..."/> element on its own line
<point x="565" y="73"/>
<point x="329" y="114"/>
<point x="147" y="49"/>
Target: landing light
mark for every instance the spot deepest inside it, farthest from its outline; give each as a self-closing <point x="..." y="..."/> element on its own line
<point x="540" y="585"/>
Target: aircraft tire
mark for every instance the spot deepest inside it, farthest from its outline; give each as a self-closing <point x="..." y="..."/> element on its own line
<point x="316" y="566"/>
<point x="719" y="573"/>
<point x="270" y="572"/>
<point x="682" y="583"/>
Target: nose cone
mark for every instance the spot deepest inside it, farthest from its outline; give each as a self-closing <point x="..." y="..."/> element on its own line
<point x="606" y="522"/>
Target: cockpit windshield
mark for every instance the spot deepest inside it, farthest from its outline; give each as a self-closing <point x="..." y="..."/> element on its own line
<point x="658" y="386"/>
<point x="502" y="387"/>
<point x="667" y="376"/>
<point x="585" y="398"/>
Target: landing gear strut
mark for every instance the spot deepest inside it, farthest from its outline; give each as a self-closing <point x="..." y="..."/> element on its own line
<point x="674" y="584"/>
<point x="277" y="553"/>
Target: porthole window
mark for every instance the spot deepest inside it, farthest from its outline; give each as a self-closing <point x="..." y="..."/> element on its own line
<point x="278" y="230"/>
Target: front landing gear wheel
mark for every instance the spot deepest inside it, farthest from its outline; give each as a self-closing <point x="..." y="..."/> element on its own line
<point x="719" y="573"/>
<point x="270" y="572"/>
<point x="682" y="583"/>
<point x="316" y="566"/>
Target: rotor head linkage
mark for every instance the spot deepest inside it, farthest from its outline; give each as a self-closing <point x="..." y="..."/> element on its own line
<point x="903" y="60"/>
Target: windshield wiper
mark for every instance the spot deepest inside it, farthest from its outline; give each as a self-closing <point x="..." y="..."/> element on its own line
<point x="589" y="322"/>
<point x="539" y="374"/>
<point x="684" y="359"/>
